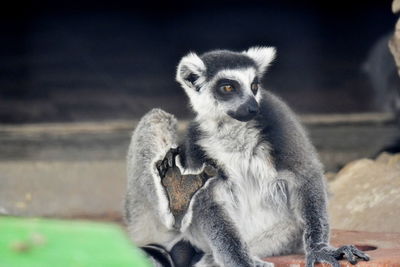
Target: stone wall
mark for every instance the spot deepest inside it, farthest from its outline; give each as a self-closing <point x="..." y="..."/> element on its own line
<point x="394" y="46"/>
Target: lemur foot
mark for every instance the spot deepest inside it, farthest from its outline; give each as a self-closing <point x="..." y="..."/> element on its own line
<point x="168" y="162"/>
<point x="180" y="188"/>
<point x="332" y="255"/>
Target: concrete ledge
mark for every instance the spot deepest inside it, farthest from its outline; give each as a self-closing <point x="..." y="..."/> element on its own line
<point x="371" y="118"/>
<point x="91" y="190"/>
<point x="129" y="125"/>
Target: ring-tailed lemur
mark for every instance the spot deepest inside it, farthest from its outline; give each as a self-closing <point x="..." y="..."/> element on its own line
<point x="269" y="196"/>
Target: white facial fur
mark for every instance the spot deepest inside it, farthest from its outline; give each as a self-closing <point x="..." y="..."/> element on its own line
<point x="200" y="93"/>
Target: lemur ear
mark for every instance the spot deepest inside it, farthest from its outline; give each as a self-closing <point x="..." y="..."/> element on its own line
<point x="190" y="69"/>
<point x="262" y="55"/>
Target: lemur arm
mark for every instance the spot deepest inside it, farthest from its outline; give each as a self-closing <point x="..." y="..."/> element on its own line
<point x="313" y="212"/>
<point x="192" y="159"/>
<point x="310" y="202"/>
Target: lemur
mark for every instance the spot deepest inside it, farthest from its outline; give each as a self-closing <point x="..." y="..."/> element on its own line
<point x="268" y="196"/>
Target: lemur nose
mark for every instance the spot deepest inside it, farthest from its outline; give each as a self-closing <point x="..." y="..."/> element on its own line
<point x="252" y="108"/>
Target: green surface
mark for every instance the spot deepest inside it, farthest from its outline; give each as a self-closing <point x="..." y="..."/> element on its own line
<point x="46" y="242"/>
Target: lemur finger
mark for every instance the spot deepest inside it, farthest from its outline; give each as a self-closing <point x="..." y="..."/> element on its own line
<point x="171" y="154"/>
<point x="360" y="254"/>
<point x="165" y="166"/>
<point x="322" y="257"/>
<point x="170" y="159"/>
<point x="160" y="168"/>
<point x="349" y="255"/>
<point x="339" y="252"/>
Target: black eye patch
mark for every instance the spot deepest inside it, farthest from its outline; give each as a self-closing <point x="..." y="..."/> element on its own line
<point x="221" y="93"/>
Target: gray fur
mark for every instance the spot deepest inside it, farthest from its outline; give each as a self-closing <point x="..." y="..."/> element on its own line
<point x="269" y="197"/>
<point x="222" y="59"/>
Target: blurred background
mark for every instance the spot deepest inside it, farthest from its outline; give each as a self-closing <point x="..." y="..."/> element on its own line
<point x="97" y="60"/>
<point x="76" y="76"/>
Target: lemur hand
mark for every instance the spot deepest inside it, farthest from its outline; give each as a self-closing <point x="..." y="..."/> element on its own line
<point x="332" y="255"/>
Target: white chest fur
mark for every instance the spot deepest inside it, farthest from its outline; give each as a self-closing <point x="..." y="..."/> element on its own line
<point x="251" y="195"/>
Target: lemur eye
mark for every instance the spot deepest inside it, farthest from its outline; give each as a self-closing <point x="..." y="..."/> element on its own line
<point x="227" y="88"/>
<point x="254" y="87"/>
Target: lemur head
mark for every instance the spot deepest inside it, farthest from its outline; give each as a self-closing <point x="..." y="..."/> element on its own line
<point x="223" y="83"/>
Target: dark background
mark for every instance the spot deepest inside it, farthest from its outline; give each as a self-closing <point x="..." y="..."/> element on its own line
<point x="101" y="60"/>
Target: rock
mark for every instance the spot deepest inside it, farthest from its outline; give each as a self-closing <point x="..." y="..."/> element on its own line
<point x="394" y="46"/>
<point x="366" y="195"/>
<point x="330" y="176"/>
<point x="396" y="6"/>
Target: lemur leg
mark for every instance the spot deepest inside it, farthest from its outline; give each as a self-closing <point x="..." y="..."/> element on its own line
<point x="213" y="226"/>
<point x="316" y="232"/>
